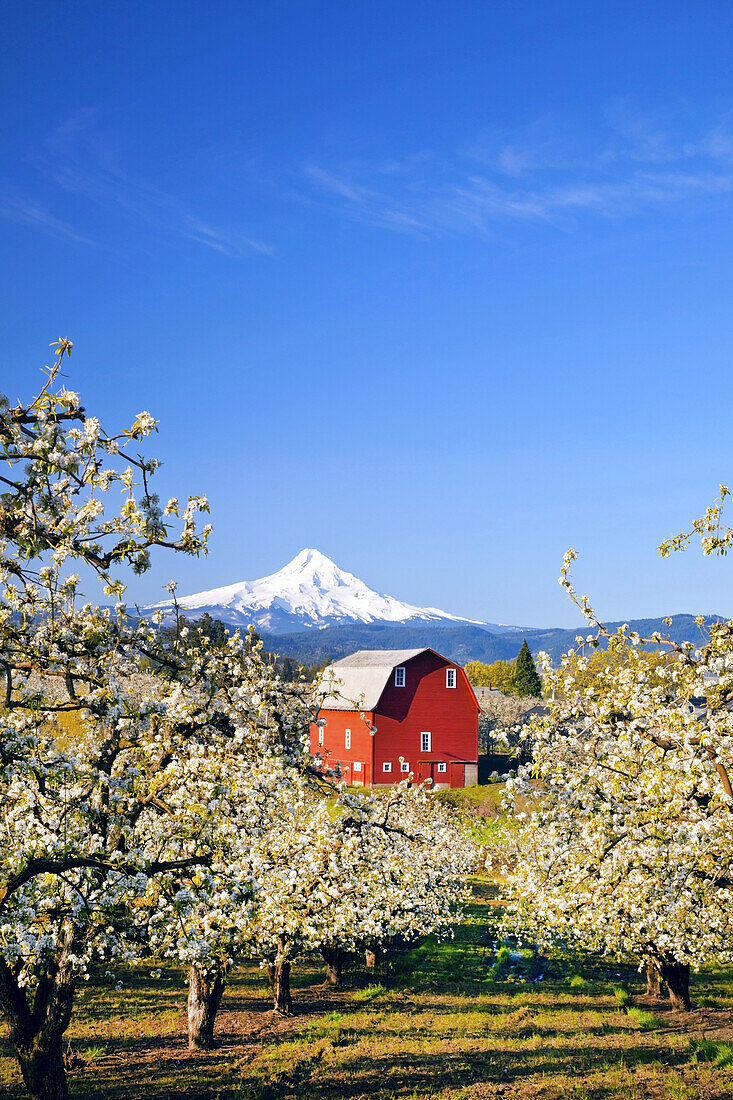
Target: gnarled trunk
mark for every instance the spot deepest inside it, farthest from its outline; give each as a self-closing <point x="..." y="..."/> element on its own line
<point x="653" y="980"/>
<point x="37" y="1032"/>
<point x="282" y="1001"/>
<point x="205" y="990"/>
<point x="372" y="957"/>
<point x="44" y="1074"/>
<point x="334" y="960"/>
<point x="677" y="977"/>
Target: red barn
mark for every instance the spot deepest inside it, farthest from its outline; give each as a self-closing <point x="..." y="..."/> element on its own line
<point x="392" y="712"/>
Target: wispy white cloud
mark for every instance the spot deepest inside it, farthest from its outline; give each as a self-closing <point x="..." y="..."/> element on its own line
<point x="16" y="209"/>
<point x="84" y="159"/>
<point x="338" y="186"/>
<point x="534" y="177"/>
<point x="369" y="204"/>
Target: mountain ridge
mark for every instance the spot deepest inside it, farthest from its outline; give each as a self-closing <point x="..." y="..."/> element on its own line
<point x="458" y="643"/>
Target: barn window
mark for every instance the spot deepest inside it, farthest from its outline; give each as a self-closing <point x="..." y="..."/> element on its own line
<point x="425" y="742"/>
<point x="347" y="739"/>
<point x="320" y="735"/>
<point x="387" y="766"/>
<point x="441" y="767"/>
<point x="357" y="766"/>
<point x="404" y="766"/>
<point x="450" y="677"/>
<point x="399" y="677"/>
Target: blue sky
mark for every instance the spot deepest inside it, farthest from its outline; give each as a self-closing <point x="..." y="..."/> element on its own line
<point x="438" y="288"/>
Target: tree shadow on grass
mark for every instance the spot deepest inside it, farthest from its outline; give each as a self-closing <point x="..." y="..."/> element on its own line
<point x="429" y="1074"/>
<point x="414" y="1076"/>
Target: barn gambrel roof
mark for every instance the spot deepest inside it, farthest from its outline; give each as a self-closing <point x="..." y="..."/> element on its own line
<point x="356" y="682"/>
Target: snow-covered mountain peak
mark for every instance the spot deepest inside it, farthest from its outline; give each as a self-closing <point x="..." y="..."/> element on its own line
<point x="311" y="566"/>
<point x="310" y="591"/>
<point x="308" y="559"/>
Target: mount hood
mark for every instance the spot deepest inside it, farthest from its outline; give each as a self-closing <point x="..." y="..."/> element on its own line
<point x="307" y="593"/>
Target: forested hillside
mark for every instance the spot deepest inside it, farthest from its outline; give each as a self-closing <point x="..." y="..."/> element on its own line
<point x="459" y="643"/>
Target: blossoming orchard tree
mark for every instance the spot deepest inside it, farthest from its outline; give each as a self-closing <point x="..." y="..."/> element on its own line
<point x="135" y="791"/>
<point x="204" y="920"/>
<point x="314" y="876"/>
<point x="369" y="867"/>
<point x="414" y="864"/>
<point x="626" y="839"/>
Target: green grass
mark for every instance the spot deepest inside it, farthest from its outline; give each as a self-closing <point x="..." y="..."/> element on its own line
<point x="93" y="1053"/>
<point x="468" y="1018"/>
<point x="623" y="997"/>
<point x="485" y="799"/>
<point x="482" y="812"/>
<point x="369" y="993"/>
<point x="708" y="1050"/>
<point x="643" y="1019"/>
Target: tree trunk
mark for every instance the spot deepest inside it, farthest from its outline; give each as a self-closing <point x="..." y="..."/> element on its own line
<point x="372" y="957"/>
<point x="43" y="1070"/>
<point x="334" y="960"/>
<point x="677" y="977"/>
<point x="653" y="980"/>
<point x="37" y="1032"/>
<point x="205" y="990"/>
<point x="282" y="1001"/>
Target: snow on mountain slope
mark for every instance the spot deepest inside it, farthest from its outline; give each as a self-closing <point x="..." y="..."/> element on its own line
<point x="310" y="591"/>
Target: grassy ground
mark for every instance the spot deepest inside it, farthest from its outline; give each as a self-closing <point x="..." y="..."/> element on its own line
<point x="461" y="1019"/>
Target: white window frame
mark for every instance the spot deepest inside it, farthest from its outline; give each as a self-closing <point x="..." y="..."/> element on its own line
<point x="442" y="767"/>
<point x="451" y="675"/>
<point x="404" y="766"/>
<point x="426" y="741"/>
<point x="357" y="765"/>
<point x="400" y="676"/>
<point x="347" y="739"/>
<point x="387" y="766"/>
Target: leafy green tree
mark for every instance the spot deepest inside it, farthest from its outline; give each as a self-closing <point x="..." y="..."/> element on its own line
<point x="526" y="680"/>
<point x="500" y="675"/>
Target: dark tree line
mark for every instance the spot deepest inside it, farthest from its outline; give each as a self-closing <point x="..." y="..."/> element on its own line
<point x="215" y="633"/>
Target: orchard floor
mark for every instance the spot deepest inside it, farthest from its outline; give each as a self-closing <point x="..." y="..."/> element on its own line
<point x="444" y="1021"/>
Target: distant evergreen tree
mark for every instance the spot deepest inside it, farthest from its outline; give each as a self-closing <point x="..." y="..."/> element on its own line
<point x="213" y="629"/>
<point x="527" y="681"/>
<point x="289" y="669"/>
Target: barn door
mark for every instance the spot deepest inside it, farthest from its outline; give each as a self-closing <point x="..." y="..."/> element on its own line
<point x="457" y="775"/>
<point x="424" y="771"/>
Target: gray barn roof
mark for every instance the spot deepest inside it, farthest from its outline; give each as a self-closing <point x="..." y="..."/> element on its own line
<point x="356" y="682"/>
<point x="482" y="692"/>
